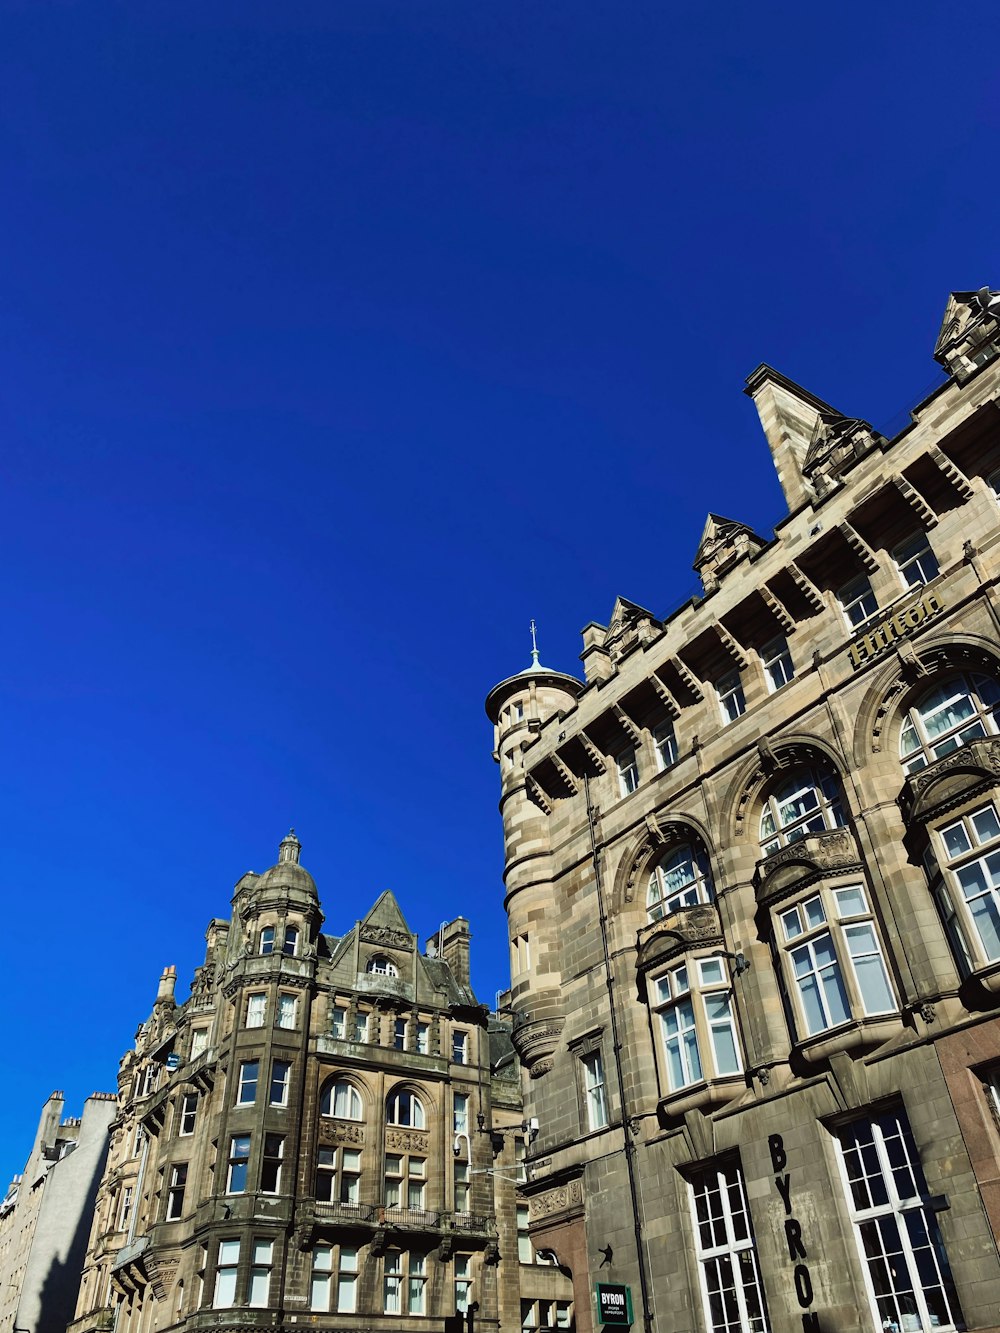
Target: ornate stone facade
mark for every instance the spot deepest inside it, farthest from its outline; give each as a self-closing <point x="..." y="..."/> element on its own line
<point x="752" y="872"/>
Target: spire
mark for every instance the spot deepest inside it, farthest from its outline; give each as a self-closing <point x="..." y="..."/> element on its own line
<point x="289" y="848"/>
<point x="534" y="647"/>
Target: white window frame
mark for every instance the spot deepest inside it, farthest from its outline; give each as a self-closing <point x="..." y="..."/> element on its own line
<point x="288" y="1011"/>
<point x="463" y="1281"/>
<point x="187" y="1114"/>
<point x="422" y="1044"/>
<point x="594" y="1090"/>
<point x="224" y="1294"/>
<point x="731" y="1247"/>
<point x="627" y="764"/>
<point x="665" y="746"/>
<point x="900" y="1210"/>
<point x="342" y="1172"/>
<point x="238" y="1160"/>
<point x="341" y="1091"/>
<point x="731" y="696"/>
<point x="267" y="939"/>
<point x="176" y="1186"/>
<point x="281" y="1082"/>
<point x="272" y="1161"/>
<point x="697" y="1023"/>
<point x="199" y="1042"/>
<point x="915" y="560"/>
<point x="463" y="1186"/>
<point x="969" y="848"/>
<point x="246" y="1087"/>
<point x="857" y="601"/>
<point x="682" y="877"/>
<point x="406" y="1181"/>
<point x="290" y="941"/>
<point x="399" y="1099"/>
<point x="338" y="1022"/>
<point x="776" y="659"/>
<point x="918" y="747"/>
<point x="459" y="1047"/>
<point x="261" y="1267"/>
<point x="381" y="966"/>
<point x="256" y="1009"/>
<point x="399" y="1034"/>
<point x="831" y="949"/>
<point x="809" y="801"/>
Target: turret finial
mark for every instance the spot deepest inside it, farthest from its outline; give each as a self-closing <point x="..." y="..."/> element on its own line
<point x="534" y="645"/>
<point x="290" y="848"/>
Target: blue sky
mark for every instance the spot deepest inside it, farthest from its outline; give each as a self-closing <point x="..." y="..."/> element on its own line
<point x="339" y="339"/>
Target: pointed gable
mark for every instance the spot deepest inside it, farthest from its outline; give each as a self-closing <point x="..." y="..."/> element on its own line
<point x="970" y="332"/>
<point x="724" y="543"/>
<point x="385" y="924"/>
<point x="630" y="625"/>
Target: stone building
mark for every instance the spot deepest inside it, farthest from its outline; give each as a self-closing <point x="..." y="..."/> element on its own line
<point x="310" y="1138"/>
<point x="45" y="1216"/>
<point x="752" y="871"/>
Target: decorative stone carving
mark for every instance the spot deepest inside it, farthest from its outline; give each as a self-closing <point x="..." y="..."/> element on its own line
<point x="949" y="779"/>
<point x="535" y="1041"/>
<point x="386" y="935"/>
<point x="341" y="1131"/>
<point x="683" y="929"/>
<point x="406" y="1140"/>
<point x="798" y="864"/>
<point x="558" y="1200"/>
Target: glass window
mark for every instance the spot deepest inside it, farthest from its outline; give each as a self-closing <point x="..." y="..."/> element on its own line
<point x="732" y="701"/>
<point x="338" y="1022"/>
<point x="382" y="966"/>
<point x="280" y="1080"/>
<point x="909" y="1280"/>
<point x="225" y="1274"/>
<point x="463" y="1281"/>
<point x="189" y="1112"/>
<point x="732" y="1294"/>
<point x="239" y="1160"/>
<point x="857" y="601"/>
<point x="246" y="1093"/>
<point x="681" y="879"/>
<point x="423" y="1038"/>
<point x="808" y="802"/>
<point x="399" y="1034"/>
<point x="267" y="940"/>
<point x="947" y="716"/>
<point x="199" y="1041"/>
<point x="175" y="1191"/>
<point x="361" y="1025"/>
<point x="697" y="1023"/>
<point x="916" y="562"/>
<point x="834" y="959"/>
<point x="256" y="1009"/>
<point x="287" y="1006"/>
<point x="461" y="1113"/>
<point x="970" y="898"/>
<point x="393" y="1282"/>
<point x="628" y="773"/>
<point x="270" y="1170"/>
<point x="525" y="1249"/>
<point x="404" y="1108"/>
<point x="777" y="662"/>
<point x="290" y="943"/>
<point x="593" y="1083"/>
<point x="460" y="1048"/>
<point x="463" y="1187"/>
<point x="338" y="1175"/>
<point x="347" y="1280"/>
<point x="322" y="1277"/>
<point x="416" y="1285"/>
<point x="341" y="1099"/>
<point x="665" y="745"/>
<point x="260" y="1274"/>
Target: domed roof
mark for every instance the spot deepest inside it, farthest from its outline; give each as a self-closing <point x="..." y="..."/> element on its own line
<point x="542" y="675"/>
<point x="287" y="873"/>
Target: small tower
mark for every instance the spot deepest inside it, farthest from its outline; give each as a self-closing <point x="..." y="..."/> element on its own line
<point x="518" y="708"/>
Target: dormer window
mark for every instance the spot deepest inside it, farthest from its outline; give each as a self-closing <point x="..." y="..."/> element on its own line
<point x="732" y="700"/>
<point x="380" y="966"/>
<point x="916" y="562"/>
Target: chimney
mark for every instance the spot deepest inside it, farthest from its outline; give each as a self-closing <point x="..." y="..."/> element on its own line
<point x="453" y="946"/>
<point x="165" y="990"/>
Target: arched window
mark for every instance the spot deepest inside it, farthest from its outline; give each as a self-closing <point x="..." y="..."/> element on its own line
<point x="341" y="1099"/>
<point x="682" y="878"/>
<point x="405" y="1108"/>
<point x="382" y="966"/>
<point x="807" y="802"/>
<point x="951" y="713"/>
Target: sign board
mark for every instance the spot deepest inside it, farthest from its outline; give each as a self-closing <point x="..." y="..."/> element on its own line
<point x="614" y="1304"/>
<point x="173" y="1062"/>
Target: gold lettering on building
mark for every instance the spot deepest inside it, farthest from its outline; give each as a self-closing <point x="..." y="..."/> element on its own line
<point x="897" y="626"/>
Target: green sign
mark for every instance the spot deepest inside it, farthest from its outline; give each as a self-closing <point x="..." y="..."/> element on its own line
<point x="614" y="1304"/>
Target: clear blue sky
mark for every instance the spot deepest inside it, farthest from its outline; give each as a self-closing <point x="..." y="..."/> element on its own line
<point x="339" y="339"/>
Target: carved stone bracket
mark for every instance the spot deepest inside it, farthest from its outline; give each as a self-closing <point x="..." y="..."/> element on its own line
<point x="948" y="780"/>
<point x="563" y="1199"/>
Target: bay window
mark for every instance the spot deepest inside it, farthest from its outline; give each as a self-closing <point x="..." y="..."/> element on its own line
<point x="948" y="715"/>
<point x="696" y="1022"/>
<point x="833" y="959"/>
<point x="969" y="896"/>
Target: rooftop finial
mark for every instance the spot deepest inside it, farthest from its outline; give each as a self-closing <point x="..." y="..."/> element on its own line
<point x="534" y="645"/>
<point x="290" y="848"/>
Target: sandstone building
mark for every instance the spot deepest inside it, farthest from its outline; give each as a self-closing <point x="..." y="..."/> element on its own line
<point x="45" y="1216"/>
<point x="753" y="888"/>
<point x="325" y="1134"/>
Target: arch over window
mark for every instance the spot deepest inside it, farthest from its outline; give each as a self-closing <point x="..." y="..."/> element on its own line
<point x="405" y="1108"/>
<point x="382" y="966"/>
<point x="341" y="1099"/>
<point x="807" y="802"/>
<point x="955" y="710"/>
<point x="681" y="878"/>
